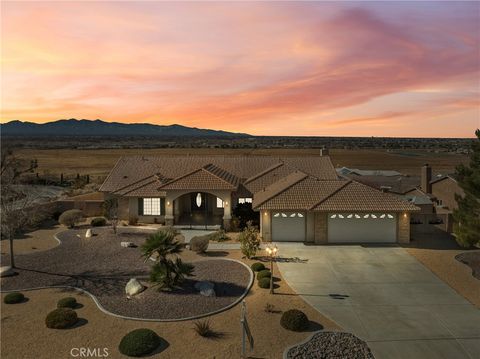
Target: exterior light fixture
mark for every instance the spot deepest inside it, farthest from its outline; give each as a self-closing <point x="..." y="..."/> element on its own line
<point x="272" y="251"/>
<point x="168" y="203"/>
<point x="198" y="200"/>
<point x="265" y="213"/>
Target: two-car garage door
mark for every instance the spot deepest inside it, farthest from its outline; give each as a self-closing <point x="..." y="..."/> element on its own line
<point x="362" y="227"/>
<point x="288" y="226"/>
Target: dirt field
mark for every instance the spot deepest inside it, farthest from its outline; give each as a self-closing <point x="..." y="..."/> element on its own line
<point x="97" y="163"/>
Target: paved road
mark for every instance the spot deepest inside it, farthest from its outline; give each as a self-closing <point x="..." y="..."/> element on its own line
<point x="386" y="297"/>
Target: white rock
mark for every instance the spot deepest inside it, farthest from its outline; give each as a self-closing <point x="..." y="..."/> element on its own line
<point x="6" y="271"/>
<point x="208" y="293"/>
<point x="204" y="285"/>
<point x="89" y="233"/>
<point x="133" y="287"/>
<point x="127" y="244"/>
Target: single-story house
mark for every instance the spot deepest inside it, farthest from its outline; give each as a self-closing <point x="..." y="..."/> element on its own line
<point x="299" y="198"/>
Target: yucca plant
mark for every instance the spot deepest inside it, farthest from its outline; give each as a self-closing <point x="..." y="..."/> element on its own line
<point x="169" y="271"/>
<point x="203" y="329"/>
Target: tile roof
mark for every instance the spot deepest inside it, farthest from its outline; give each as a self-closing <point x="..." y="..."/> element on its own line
<point x="203" y="179"/>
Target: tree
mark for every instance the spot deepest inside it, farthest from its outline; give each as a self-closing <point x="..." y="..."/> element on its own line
<point x="110" y="211"/>
<point x="16" y="201"/>
<point x="169" y="271"/>
<point x="467" y="216"/>
<point x="249" y="240"/>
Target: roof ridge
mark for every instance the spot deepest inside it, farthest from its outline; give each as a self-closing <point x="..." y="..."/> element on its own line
<point x="133" y="183"/>
<point x="281" y="190"/>
<point x="220" y="168"/>
<point x="265" y="171"/>
<point x="180" y="177"/>
<point x="331" y="194"/>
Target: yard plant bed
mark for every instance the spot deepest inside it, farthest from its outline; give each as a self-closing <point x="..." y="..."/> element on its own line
<point x="471" y="259"/>
<point x="326" y="345"/>
<point x="102" y="267"/>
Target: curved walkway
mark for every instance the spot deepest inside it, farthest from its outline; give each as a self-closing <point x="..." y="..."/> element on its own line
<point x="386" y="297"/>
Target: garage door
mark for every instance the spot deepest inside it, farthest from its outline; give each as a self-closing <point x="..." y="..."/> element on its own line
<point x="288" y="226"/>
<point x="362" y="227"/>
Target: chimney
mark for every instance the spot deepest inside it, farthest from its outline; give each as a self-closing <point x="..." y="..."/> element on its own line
<point x="323" y="152"/>
<point x="426" y="179"/>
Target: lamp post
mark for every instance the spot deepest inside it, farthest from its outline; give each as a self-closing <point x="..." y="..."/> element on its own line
<point x="272" y="251"/>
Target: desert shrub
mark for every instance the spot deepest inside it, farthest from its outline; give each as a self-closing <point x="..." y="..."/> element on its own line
<point x="139" y="342"/>
<point x="219" y="236"/>
<point x="61" y="318"/>
<point x="295" y="320"/>
<point x="98" y="222"/>
<point x="269" y="308"/>
<point x="257" y="267"/>
<point x="68" y="302"/>
<point x="71" y="217"/>
<point x="199" y="244"/>
<point x="264" y="274"/>
<point x="264" y="282"/>
<point x="203" y="328"/>
<point x="110" y="208"/>
<point x="249" y="240"/>
<point x="132" y="220"/>
<point x="13" y="298"/>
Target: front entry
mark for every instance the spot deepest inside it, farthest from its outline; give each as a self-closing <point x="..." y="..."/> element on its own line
<point x="197" y="209"/>
<point x="288" y="226"/>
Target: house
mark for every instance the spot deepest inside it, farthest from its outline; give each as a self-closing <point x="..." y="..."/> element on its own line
<point x="298" y="198"/>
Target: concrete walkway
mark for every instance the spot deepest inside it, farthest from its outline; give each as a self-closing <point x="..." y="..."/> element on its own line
<point x="386" y="297"/>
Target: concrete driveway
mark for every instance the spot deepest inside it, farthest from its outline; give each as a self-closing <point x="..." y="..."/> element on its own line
<point x="386" y="297"/>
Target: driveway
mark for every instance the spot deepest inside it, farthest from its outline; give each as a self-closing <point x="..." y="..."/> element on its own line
<point x="386" y="297"/>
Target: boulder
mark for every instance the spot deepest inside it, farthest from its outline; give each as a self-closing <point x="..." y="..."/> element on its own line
<point x="7" y="271"/>
<point x="133" y="287"/>
<point x="127" y="244"/>
<point x="205" y="288"/>
<point x="89" y="233"/>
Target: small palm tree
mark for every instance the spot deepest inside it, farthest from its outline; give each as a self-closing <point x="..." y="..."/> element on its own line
<point x="169" y="271"/>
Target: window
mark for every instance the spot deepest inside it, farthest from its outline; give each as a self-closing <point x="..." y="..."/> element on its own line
<point x="245" y="200"/>
<point x="152" y="207"/>
<point x="300" y="215"/>
<point x="220" y="203"/>
<point x="276" y="215"/>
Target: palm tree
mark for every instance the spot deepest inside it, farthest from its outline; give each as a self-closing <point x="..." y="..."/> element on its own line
<point x="169" y="271"/>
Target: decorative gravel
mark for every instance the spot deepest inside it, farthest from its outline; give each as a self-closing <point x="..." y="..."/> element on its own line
<point x="471" y="259"/>
<point x="102" y="267"/>
<point x="329" y="345"/>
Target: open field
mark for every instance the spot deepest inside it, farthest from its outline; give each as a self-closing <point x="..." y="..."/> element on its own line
<point x="97" y="163"/>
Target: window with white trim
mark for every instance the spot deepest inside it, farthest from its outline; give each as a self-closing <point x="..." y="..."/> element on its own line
<point x="220" y="203"/>
<point x="152" y="207"/>
<point x="245" y="200"/>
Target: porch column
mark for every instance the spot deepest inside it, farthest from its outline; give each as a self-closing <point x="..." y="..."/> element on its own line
<point x="168" y="211"/>
<point x="227" y="211"/>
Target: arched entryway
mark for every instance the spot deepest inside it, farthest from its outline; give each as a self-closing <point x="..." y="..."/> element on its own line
<point x="198" y="209"/>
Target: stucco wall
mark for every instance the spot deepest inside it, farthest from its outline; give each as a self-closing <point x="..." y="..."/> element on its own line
<point x="321" y="230"/>
<point x="445" y="190"/>
<point x="266" y="225"/>
<point x="403" y="228"/>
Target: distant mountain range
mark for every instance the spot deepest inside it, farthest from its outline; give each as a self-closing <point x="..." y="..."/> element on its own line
<point x="74" y="127"/>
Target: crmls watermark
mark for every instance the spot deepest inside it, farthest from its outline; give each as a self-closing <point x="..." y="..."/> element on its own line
<point x="89" y="352"/>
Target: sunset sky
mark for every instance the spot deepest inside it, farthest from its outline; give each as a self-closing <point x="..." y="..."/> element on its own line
<point x="409" y="69"/>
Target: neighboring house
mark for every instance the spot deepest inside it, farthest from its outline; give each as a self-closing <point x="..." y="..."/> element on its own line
<point x="299" y="198"/>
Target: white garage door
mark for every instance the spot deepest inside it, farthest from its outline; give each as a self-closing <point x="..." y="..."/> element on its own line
<point x="362" y="227"/>
<point x="288" y="226"/>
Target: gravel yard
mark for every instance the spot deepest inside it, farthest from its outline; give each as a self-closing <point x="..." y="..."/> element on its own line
<point x="326" y="345"/>
<point x="102" y="267"/>
<point x="471" y="259"/>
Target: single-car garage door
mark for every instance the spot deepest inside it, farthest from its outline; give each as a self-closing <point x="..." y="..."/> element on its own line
<point x="288" y="226"/>
<point x="362" y="227"/>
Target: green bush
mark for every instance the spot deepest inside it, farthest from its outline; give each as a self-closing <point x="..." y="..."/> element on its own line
<point x="98" y="222"/>
<point x="139" y="342"/>
<point x="257" y="267"/>
<point x="199" y="244"/>
<point x="219" y="236"/>
<point x="249" y="240"/>
<point x="70" y="218"/>
<point x="13" y="298"/>
<point x="295" y="320"/>
<point x="68" y="302"/>
<point x="61" y="318"/>
<point x="264" y="283"/>
<point x="264" y="274"/>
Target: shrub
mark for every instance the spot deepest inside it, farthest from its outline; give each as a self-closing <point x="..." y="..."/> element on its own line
<point x="264" y="274"/>
<point x="139" y="342"/>
<point x="264" y="283"/>
<point x="61" y="318"/>
<point x="98" y="222"/>
<point x="257" y="267"/>
<point x="132" y="220"/>
<point x="203" y="328"/>
<point x="269" y="308"/>
<point x="13" y="298"/>
<point x="199" y="244"/>
<point x="219" y="236"/>
<point x="70" y="218"/>
<point x="249" y="240"/>
<point x="68" y="302"/>
<point x="295" y="320"/>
